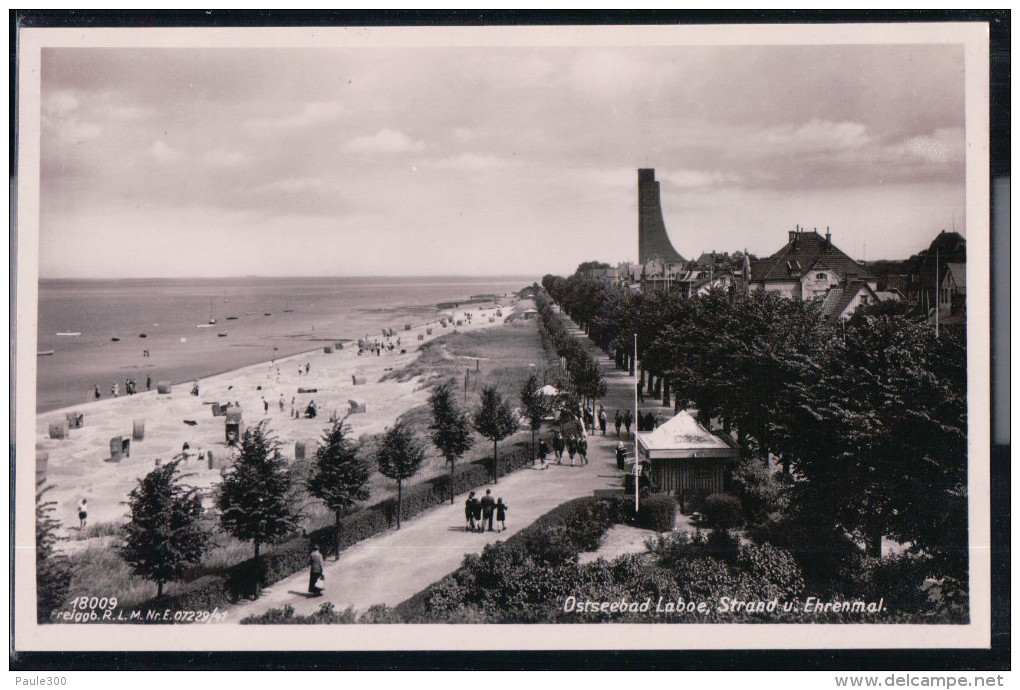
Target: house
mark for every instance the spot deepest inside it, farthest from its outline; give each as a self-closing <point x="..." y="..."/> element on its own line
<point x="842" y="301"/>
<point x="530" y="314"/>
<point x="806" y="267"/>
<point x="686" y="458"/>
<point x="953" y="289"/>
<point x="931" y="264"/>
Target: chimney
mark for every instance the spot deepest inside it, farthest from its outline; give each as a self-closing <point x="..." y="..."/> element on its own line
<point x="793" y="234"/>
<point x="828" y="237"/>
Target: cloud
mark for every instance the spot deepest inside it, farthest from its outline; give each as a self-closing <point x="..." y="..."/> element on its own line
<point x="944" y="145"/>
<point x="697" y="178"/>
<point x="164" y="153"/>
<point x="384" y="141"/>
<point x="470" y="161"/>
<point x="817" y="136"/>
<point x="310" y="115"/>
<point x="60" y="103"/>
<point x="223" y="158"/>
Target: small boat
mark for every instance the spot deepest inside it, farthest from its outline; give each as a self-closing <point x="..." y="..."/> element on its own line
<point x="222" y="335"/>
<point x="204" y="325"/>
<point x="269" y="313"/>
<point x="44" y="353"/>
<point x="212" y="320"/>
<point x="70" y="333"/>
<point x="115" y="339"/>
<point x="231" y="318"/>
<point x="250" y="313"/>
<point x="142" y="335"/>
<point x="288" y="310"/>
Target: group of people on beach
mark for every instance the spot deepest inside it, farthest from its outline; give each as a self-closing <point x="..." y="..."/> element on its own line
<point x="130" y="388"/>
<point x="479" y="513"/>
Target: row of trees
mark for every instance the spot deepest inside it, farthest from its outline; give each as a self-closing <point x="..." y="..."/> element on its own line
<point x="868" y="417"/>
<point x="583" y="368"/>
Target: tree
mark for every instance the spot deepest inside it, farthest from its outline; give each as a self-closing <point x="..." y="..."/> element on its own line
<point x="451" y="430"/>
<point x="399" y="457"/>
<point x="536" y="408"/>
<point x="165" y="535"/>
<point x="255" y="498"/>
<point x="52" y="570"/>
<point x="340" y="476"/>
<point x="495" y="420"/>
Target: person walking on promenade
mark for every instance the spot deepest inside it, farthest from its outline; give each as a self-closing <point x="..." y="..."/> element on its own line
<point x="582" y="449"/>
<point x="476" y="513"/>
<point x="627" y="421"/>
<point x="115" y="391"/>
<point x="265" y="405"/>
<point x="558" y="448"/>
<point x="603" y="420"/>
<point x="148" y="383"/>
<point x="97" y="393"/>
<point x="83" y="513"/>
<point x="621" y="456"/>
<point x="543" y="450"/>
<point x="469" y="512"/>
<point x="315" y="572"/>
<point x="282" y="403"/>
<point x="571" y="448"/>
<point x="501" y="513"/>
<point x="618" y="421"/>
<point x="488" y="506"/>
<point x="589" y="421"/>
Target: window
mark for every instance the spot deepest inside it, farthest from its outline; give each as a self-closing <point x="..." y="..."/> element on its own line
<point x="820" y="276"/>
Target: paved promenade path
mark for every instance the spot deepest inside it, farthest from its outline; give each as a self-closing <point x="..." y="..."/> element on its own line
<point x="390" y="567"/>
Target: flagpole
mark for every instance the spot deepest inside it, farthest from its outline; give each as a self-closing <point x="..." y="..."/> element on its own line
<point x="637" y="455"/>
<point x="938" y="292"/>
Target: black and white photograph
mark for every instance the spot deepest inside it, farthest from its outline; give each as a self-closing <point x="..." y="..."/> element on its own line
<point x="548" y="337"/>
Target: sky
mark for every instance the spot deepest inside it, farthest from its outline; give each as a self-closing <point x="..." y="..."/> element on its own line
<point x="480" y="160"/>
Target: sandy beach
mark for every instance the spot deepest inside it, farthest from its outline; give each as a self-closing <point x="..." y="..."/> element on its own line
<point x="79" y="465"/>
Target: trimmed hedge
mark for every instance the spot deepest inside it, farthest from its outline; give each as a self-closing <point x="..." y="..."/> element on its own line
<point x="290" y="556"/>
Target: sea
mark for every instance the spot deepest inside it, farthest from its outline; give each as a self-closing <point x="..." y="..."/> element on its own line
<point x="102" y="332"/>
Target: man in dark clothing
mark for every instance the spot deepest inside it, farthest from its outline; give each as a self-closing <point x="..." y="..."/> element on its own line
<point x="469" y="511"/>
<point x="543" y="450"/>
<point x="488" y="506"/>
<point x="619" y="422"/>
<point x="558" y="447"/>
<point x="627" y="420"/>
<point x="621" y="456"/>
<point x="477" y="512"/>
<point x="315" y="573"/>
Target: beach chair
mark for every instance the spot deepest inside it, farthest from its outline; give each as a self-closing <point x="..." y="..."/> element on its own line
<point x="58" y="430"/>
<point x="421" y="337"/>
<point x="138" y="430"/>
<point x="299" y="450"/>
<point x="428" y="331"/>
<point x="119" y="447"/>
<point x="75" y="420"/>
<point x="407" y="326"/>
<point x="356" y="407"/>
<point x="328" y="349"/>
<point x="358" y="380"/>
<point x="163" y="387"/>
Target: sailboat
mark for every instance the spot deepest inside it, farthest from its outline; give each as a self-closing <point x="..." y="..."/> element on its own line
<point x="288" y="309"/>
<point x="211" y="319"/>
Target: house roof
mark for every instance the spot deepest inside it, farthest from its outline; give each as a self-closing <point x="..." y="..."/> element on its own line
<point x="959" y="272"/>
<point x="683" y="437"/>
<point x="839" y="298"/>
<point x="800" y="254"/>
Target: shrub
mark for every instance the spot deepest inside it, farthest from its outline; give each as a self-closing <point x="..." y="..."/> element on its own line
<point x="326" y="615"/>
<point x="656" y="513"/>
<point x="723" y="545"/>
<point x="722" y="511"/>
<point x="760" y="494"/>
<point x="901" y="579"/>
